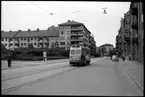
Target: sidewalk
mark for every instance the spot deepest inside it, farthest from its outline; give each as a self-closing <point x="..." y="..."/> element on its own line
<point x="136" y="69"/>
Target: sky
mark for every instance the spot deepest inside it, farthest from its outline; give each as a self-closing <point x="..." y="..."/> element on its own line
<point x="24" y="15"/>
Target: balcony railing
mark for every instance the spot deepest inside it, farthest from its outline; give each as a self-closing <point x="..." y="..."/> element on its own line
<point x="76" y="28"/>
<point x="76" y="39"/>
<point x="76" y="34"/>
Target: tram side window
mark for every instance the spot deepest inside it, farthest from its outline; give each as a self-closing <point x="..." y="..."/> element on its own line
<point x="78" y="51"/>
<point x="83" y="51"/>
<point x="72" y="52"/>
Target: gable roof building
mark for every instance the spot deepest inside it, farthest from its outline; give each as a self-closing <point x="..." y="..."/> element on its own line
<point x="34" y="33"/>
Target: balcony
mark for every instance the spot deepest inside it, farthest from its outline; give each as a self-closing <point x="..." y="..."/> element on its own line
<point x="134" y="37"/>
<point x="76" y="34"/>
<point x="76" y="39"/>
<point x="76" y="28"/>
<point x="134" y="26"/>
<point x="134" y="11"/>
<point x="127" y="37"/>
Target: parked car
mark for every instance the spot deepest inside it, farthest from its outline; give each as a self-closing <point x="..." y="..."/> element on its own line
<point x="115" y="58"/>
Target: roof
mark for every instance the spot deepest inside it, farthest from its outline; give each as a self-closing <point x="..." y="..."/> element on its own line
<point x="36" y="33"/>
<point x="70" y="23"/>
<point x="73" y="23"/>
<point x="106" y="45"/>
<point x="8" y="34"/>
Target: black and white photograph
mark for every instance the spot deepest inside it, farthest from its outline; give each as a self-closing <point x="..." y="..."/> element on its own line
<point x="72" y="48"/>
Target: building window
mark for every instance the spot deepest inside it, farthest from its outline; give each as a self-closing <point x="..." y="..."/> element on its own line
<point x="25" y="39"/>
<point x="142" y="18"/>
<point x="5" y="44"/>
<point x="47" y="44"/>
<point x="10" y="40"/>
<point x="28" y="39"/>
<point x="21" y="44"/>
<point x="62" y="43"/>
<point x="25" y="44"/>
<point x="21" y="39"/>
<point x="34" y="43"/>
<point x="10" y="45"/>
<point x="18" y="45"/>
<point x="31" y="38"/>
<point x="62" y="32"/>
<point x="68" y="43"/>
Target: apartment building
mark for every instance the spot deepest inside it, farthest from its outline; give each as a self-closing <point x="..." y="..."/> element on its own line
<point x="105" y="49"/>
<point x="65" y="35"/>
<point x="72" y="32"/>
<point x="129" y="40"/>
<point x="38" y="38"/>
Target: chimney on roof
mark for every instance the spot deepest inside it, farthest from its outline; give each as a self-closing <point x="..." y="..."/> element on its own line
<point x="19" y="30"/>
<point x="37" y="29"/>
<point x="51" y="28"/>
<point x="68" y="20"/>
<point x="29" y="29"/>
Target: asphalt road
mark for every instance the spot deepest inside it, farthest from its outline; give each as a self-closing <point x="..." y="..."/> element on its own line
<point x="102" y="77"/>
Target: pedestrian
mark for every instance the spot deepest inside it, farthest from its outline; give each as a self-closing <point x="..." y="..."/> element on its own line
<point x="9" y="58"/>
<point x="129" y="57"/>
<point x="123" y="58"/>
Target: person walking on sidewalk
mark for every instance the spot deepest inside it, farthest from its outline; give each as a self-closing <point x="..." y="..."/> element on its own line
<point x="9" y="58"/>
<point x="123" y="58"/>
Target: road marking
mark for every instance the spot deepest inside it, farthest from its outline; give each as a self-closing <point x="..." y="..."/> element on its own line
<point x="134" y="80"/>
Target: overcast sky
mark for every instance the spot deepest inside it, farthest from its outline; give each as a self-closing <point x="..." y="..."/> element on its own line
<point x="26" y="15"/>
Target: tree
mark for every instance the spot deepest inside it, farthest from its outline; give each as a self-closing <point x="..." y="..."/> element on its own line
<point x="3" y="48"/>
<point x="54" y="44"/>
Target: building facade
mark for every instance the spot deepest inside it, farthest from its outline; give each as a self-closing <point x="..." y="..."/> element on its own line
<point x="129" y="41"/>
<point x="65" y="35"/>
<point x="105" y="49"/>
<point x="38" y="38"/>
<point x="72" y="32"/>
<point x="92" y="45"/>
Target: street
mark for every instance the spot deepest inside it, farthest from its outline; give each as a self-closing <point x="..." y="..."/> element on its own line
<point x="101" y="77"/>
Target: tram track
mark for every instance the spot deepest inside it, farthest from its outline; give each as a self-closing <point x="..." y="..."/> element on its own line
<point x="16" y="83"/>
<point x="31" y="70"/>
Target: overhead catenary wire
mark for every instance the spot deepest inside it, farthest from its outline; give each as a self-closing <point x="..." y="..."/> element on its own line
<point x="50" y="13"/>
<point x="41" y="8"/>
